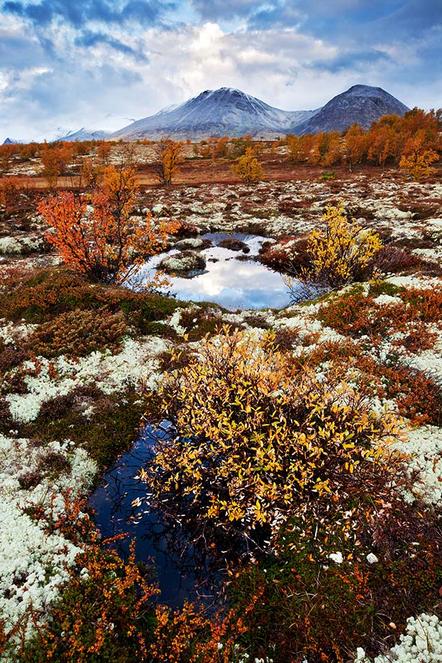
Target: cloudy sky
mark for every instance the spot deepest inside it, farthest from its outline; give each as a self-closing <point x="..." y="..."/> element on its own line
<point x="65" y="64"/>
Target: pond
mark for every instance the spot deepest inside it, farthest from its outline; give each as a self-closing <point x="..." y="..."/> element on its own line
<point x="233" y="279"/>
<point x="121" y="507"/>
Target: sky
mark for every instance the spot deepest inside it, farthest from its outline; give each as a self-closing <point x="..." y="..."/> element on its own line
<point x="67" y="64"/>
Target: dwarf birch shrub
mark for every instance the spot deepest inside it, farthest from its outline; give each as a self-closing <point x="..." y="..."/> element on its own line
<point x="248" y="167"/>
<point x="340" y="251"/>
<point x="255" y="434"/>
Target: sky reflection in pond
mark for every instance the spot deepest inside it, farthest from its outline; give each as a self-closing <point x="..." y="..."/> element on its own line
<point x="232" y="283"/>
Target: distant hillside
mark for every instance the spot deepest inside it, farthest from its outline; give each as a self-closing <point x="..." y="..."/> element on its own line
<point x="83" y="134"/>
<point x="11" y="141"/>
<point x="360" y="104"/>
<point x="231" y="112"/>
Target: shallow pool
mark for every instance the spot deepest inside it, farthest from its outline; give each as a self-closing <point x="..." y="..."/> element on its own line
<point x="233" y="279"/>
<point x="121" y="506"/>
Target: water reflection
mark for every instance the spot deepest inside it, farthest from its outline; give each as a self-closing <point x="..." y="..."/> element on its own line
<point x="231" y="282"/>
<point x="120" y="507"/>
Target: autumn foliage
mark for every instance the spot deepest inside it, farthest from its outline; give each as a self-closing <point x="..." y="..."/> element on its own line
<point x="248" y="167"/>
<point x="101" y="240"/>
<point x="339" y="251"/>
<point x="412" y="141"/>
<point x="256" y="435"/>
<point x="418" y="156"/>
<point x="55" y="159"/>
<point x="169" y="157"/>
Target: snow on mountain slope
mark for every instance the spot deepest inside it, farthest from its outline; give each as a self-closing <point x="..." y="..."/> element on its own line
<point x="83" y="134"/>
<point x="222" y="112"/>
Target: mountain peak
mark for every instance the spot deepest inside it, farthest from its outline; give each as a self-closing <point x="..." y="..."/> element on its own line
<point x="360" y="104"/>
<point x="228" y="111"/>
<point x="360" y="88"/>
<point x="83" y="134"/>
<point x="225" y="111"/>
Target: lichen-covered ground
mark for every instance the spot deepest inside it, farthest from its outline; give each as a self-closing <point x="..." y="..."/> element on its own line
<point x="75" y="357"/>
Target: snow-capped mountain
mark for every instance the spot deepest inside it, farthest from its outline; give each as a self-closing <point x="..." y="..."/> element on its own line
<point x="11" y="141"/>
<point x="222" y="112"/>
<point x="230" y="112"/>
<point x="362" y="104"/>
<point x="83" y="134"/>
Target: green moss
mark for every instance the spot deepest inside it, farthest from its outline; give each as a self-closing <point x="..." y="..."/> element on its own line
<point x="56" y="291"/>
<point x="384" y="288"/>
<point x="110" y="431"/>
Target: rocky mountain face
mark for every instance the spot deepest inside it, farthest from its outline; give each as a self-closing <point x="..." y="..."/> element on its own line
<point x="223" y="112"/>
<point x="360" y="104"/>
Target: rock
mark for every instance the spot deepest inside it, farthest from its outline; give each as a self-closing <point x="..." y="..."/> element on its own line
<point x="234" y="245"/>
<point x="183" y="263"/>
<point x="194" y="243"/>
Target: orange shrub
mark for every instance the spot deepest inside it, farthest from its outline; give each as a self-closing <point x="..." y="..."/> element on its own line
<point x="104" y="242"/>
<point x="169" y="156"/>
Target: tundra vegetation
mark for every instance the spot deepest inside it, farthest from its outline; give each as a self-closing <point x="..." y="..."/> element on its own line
<point x="305" y="446"/>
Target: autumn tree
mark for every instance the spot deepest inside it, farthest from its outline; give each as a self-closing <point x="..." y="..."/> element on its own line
<point x="248" y="167"/>
<point x="417" y="158"/>
<point x="313" y="149"/>
<point x="295" y="148"/>
<point x="169" y="157"/>
<point x="419" y="163"/>
<point x="102" y="240"/>
<point x="219" y="147"/>
<point x="29" y="150"/>
<point x="331" y="147"/>
<point x="355" y="145"/>
<point x="88" y="173"/>
<point x="103" y="152"/>
<point x="55" y="159"/>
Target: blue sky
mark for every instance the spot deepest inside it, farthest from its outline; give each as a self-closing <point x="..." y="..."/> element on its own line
<point x="65" y="64"/>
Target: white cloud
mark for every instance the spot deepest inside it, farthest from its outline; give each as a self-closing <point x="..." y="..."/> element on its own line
<point x="98" y="86"/>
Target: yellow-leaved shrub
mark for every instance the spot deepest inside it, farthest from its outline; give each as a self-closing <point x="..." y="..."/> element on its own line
<point x="256" y="435"/>
<point x="248" y="168"/>
<point x="340" y="251"/>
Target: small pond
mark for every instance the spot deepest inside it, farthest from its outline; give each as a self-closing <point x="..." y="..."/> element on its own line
<point x="120" y="506"/>
<point x="233" y="279"/>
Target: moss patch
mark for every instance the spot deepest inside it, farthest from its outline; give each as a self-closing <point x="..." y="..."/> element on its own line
<point x="107" y="432"/>
<point x="55" y="291"/>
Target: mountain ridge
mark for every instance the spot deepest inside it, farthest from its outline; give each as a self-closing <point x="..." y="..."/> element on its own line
<point x="231" y="112"/>
<point x="361" y="104"/>
<point x="83" y="134"/>
<point x="225" y="111"/>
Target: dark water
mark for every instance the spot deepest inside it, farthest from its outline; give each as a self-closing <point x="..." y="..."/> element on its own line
<point x="179" y="571"/>
<point x="232" y="283"/>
